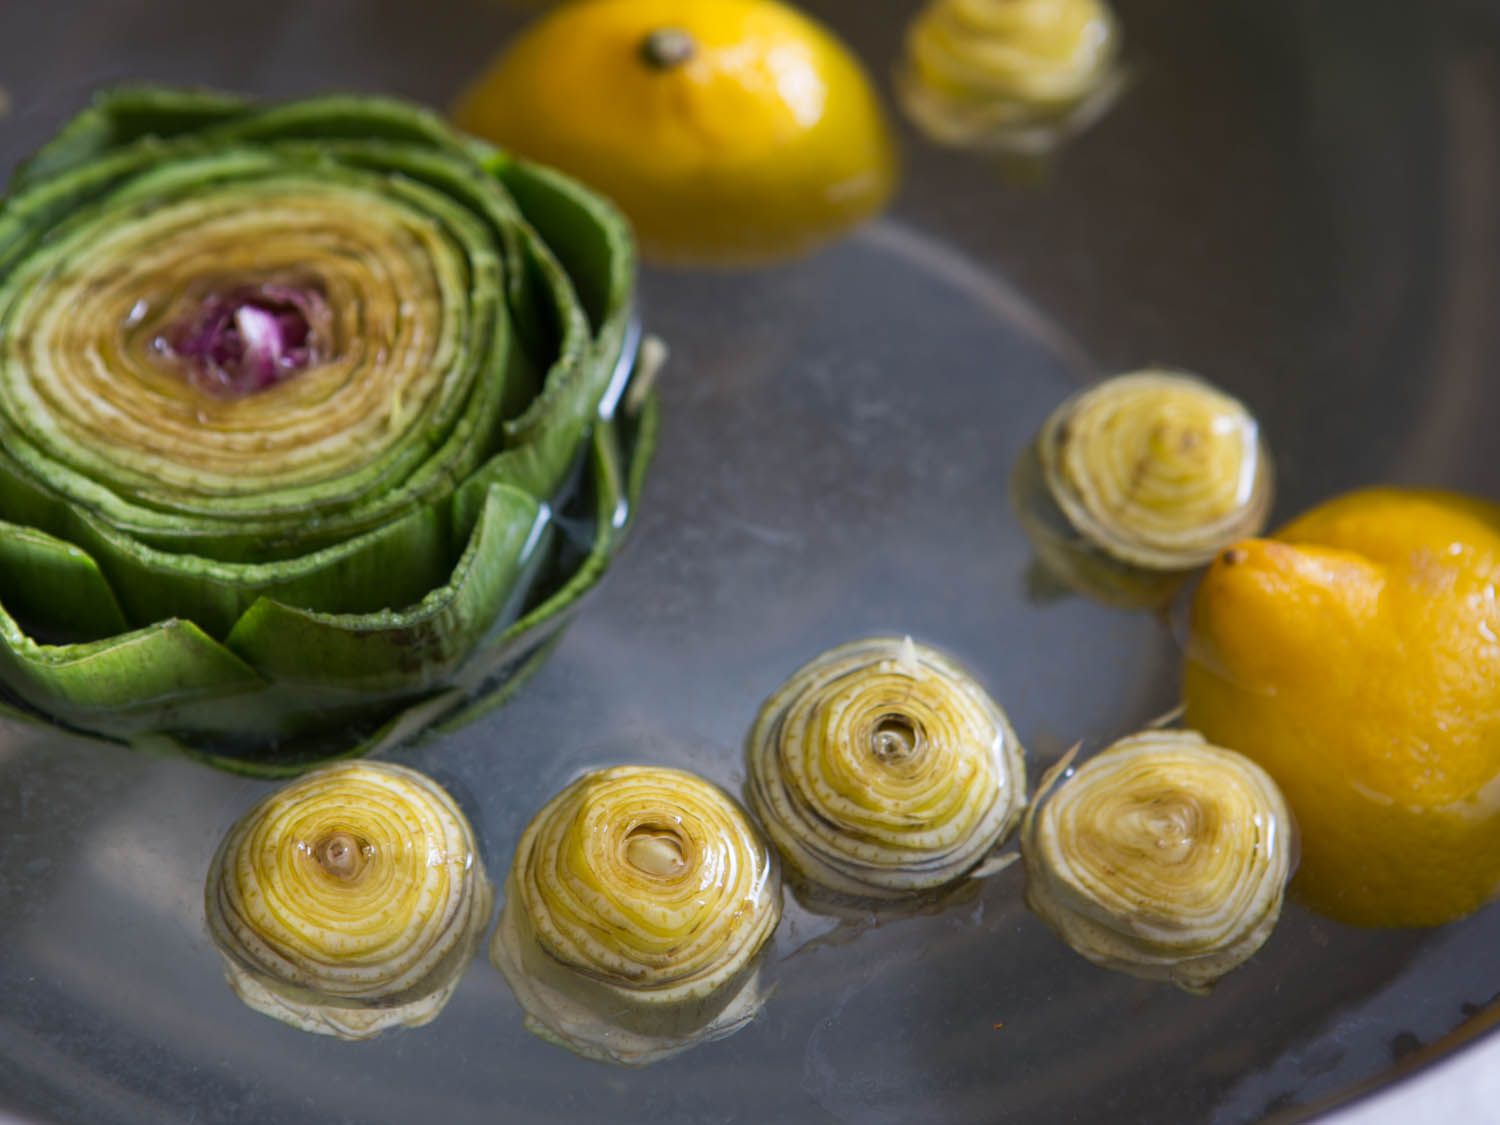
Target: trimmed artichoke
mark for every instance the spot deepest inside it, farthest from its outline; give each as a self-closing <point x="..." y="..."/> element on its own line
<point x="1011" y="75"/>
<point x="1163" y="857"/>
<point x="638" y="904"/>
<point x="1140" y="480"/>
<point x="882" y="770"/>
<point x="294" y="400"/>
<point x="349" y="902"/>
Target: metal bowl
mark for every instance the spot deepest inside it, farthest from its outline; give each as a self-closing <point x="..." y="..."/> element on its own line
<point x="1295" y="199"/>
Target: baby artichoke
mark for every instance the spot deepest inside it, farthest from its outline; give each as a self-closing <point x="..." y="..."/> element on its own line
<point x="636" y="909"/>
<point x="1014" y="75"/>
<point x="291" y="400"/>
<point x="881" y="770"/>
<point x="1163" y="857"/>
<point x="349" y="902"/>
<point x="1140" y="480"/>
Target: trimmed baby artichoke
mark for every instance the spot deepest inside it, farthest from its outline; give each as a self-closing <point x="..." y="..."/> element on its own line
<point x="1138" y="481"/>
<point x="637" y="907"/>
<point x="1163" y="857"/>
<point x="349" y="902"/>
<point x="1010" y="75"/>
<point x="882" y="770"/>
<point x="294" y="403"/>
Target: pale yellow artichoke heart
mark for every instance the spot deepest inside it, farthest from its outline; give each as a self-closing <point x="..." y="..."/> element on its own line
<point x="636" y="909"/>
<point x="350" y="901"/>
<point x="84" y="347"/>
<point x="1009" y="73"/>
<point x="1157" y="469"/>
<point x="1162" y="856"/>
<point x="881" y="769"/>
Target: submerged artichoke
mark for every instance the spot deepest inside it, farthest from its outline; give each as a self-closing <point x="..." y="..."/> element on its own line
<point x="1138" y="481"/>
<point x="1017" y="75"/>
<point x="350" y="902"/>
<point x="881" y="769"/>
<point x="291" y="401"/>
<point x="637" y="907"/>
<point x="1162" y="857"/>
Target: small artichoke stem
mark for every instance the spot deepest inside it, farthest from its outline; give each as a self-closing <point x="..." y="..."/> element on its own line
<point x="668" y="48"/>
<point x="655" y="851"/>
<point x="896" y="738"/>
<point x="341" y="854"/>
<point x="653" y="357"/>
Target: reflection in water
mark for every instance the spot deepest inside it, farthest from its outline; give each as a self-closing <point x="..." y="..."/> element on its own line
<point x="1457" y="380"/>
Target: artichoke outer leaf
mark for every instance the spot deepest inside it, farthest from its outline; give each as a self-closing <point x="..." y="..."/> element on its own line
<point x="393" y="651"/>
<point x="520" y="650"/>
<point x="55" y="586"/>
<point x="505" y="663"/>
<point x="545" y="464"/>
<point x="12" y="714"/>
<point x="616" y="490"/>
<point x="333" y="117"/>
<point x="593" y="243"/>
<point x="588" y="235"/>
<point x="394" y="564"/>
<point x="138" y="681"/>
<point x="120" y="116"/>
<point x="585" y="251"/>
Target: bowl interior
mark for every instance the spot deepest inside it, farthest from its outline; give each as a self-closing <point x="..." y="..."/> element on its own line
<point x="1295" y="200"/>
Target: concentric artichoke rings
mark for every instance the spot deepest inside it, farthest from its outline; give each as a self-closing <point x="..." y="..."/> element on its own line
<point x="1138" y="481"/>
<point x="288" y="397"/>
<point x="882" y="770"/>
<point x="350" y="902"/>
<point x="637" y="907"/>
<point x="1162" y="856"/>
<point x="1018" y="76"/>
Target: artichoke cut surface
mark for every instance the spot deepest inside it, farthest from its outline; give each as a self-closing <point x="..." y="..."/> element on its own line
<point x="638" y="906"/>
<point x="291" y="400"/>
<point x="350" y="902"/>
<point x="1163" y="857"/>
<point x="1136" y="482"/>
<point x="881" y="770"/>
<point x="1010" y="75"/>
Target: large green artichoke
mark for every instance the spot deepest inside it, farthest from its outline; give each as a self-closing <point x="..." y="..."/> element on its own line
<point x="308" y="422"/>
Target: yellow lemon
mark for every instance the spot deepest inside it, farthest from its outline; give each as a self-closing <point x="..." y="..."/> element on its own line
<point x="1356" y="656"/>
<point x="730" y="131"/>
